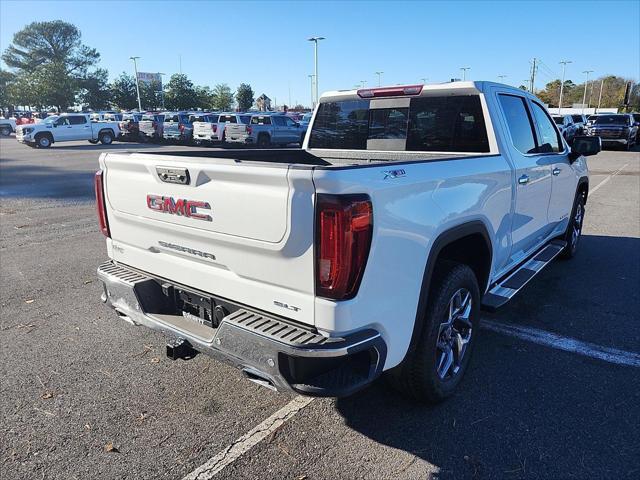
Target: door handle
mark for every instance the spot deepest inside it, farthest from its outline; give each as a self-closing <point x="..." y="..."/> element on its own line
<point x="523" y="180"/>
<point x="556" y="171"/>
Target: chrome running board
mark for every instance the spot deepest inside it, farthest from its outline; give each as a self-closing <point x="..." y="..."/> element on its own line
<point x="515" y="281"/>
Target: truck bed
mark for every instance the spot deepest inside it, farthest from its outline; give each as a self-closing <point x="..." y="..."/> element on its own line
<point x="319" y="158"/>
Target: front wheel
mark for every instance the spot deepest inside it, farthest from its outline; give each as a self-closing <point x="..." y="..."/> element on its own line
<point x="574" y="229"/>
<point x="5" y="131"/>
<point x="433" y="371"/>
<point x="43" y="141"/>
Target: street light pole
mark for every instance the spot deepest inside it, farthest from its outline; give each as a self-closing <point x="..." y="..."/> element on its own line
<point x="313" y="103"/>
<point x="379" y="76"/>
<point x="315" y="40"/>
<point x="464" y="72"/>
<point x="363" y="82"/>
<point x="586" y="84"/>
<point x="135" y="68"/>
<point x="564" y="66"/>
<point x="424" y="80"/>
<point x="502" y="77"/>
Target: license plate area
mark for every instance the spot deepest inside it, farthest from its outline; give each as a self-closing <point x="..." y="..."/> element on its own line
<point x="197" y="307"/>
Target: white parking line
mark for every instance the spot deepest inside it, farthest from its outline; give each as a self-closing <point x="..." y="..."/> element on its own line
<point x="609" y="177"/>
<point x="247" y="441"/>
<point x="548" y="339"/>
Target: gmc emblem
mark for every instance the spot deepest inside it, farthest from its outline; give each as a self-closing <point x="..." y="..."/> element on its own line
<point x="182" y="207"/>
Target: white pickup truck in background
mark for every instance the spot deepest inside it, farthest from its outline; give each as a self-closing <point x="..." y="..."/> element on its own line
<point x="370" y="250"/>
<point x="68" y="127"/>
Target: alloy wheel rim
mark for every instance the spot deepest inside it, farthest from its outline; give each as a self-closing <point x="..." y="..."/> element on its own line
<point x="454" y="335"/>
<point x="577" y="225"/>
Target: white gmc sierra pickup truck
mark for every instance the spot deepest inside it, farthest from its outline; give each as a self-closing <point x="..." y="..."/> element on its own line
<point x="370" y="250"/>
<point x="66" y="128"/>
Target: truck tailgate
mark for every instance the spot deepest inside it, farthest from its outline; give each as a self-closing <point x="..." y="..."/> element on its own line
<point x="235" y="129"/>
<point x="232" y="230"/>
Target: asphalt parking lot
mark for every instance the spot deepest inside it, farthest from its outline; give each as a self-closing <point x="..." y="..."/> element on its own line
<point x="85" y="395"/>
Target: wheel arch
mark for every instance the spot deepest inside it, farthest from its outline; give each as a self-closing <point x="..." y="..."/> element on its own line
<point x="106" y="130"/>
<point x="46" y="133"/>
<point x="453" y="244"/>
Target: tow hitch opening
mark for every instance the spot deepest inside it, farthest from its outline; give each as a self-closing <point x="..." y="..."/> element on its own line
<point x="180" y="348"/>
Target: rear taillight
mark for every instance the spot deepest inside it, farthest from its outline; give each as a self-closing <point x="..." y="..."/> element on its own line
<point x="249" y="130"/>
<point x="344" y="225"/>
<point x="214" y="127"/>
<point x="100" y="204"/>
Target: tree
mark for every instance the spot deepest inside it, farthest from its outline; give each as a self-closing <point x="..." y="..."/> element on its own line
<point x="95" y="92"/>
<point x="50" y="59"/>
<point x="41" y="43"/>
<point x="222" y="97"/>
<point x="180" y="93"/>
<point x="244" y="97"/>
<point x="6" y="79"/>
<point x="204" y="98"/>
<point x="151" y="95"/>
<point x="123" y="92"/>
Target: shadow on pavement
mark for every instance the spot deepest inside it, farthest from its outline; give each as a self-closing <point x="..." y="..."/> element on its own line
<point x="527" y="411"/>
<point x="41" y="181"/>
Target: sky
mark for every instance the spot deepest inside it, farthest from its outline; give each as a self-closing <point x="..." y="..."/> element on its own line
<point x="265" y="43"/>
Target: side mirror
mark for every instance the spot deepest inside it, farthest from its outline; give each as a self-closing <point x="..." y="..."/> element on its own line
<point x="297" y="125"/>
<point x="585" y="146"/>
<point x="55" y="125"/>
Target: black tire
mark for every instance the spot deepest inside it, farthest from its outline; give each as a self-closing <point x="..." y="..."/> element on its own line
<point x="106" y="138"/>
<point x="263" y="140"/>
<point x="418" y="375"/>
<point x="574" y="229"/>
<point x="5" y="130"/>
<point x="43" y="140"/>
<point x="94" y="142"/>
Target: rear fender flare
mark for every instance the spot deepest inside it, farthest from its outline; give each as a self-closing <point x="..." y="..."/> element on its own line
<point x="442" y="240"/>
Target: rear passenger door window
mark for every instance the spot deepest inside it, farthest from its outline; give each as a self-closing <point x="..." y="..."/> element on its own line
<point x="548" y="136"/>
<point x="519" y="123"/>
<point x="447" y="124"/>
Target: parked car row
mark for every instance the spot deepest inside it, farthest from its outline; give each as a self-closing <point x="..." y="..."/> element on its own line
<point x="613" y="129"/>
<point x="210" y="128"/>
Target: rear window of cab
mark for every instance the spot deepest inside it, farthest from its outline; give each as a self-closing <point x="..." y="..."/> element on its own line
<point x="435" y="123"/>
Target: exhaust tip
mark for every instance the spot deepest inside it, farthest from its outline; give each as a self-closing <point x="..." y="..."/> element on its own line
<point x="259" y="378"/>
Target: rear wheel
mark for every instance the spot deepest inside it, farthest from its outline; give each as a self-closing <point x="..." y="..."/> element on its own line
<point x="106" y="138"/>
<point x="263" y="141"/>
<point x="5" y="131"/>
<point x="574" y="229"/>
<point x="43" y="141"/>
<point x="93" y="141"/>
<point x="435" y="368"/>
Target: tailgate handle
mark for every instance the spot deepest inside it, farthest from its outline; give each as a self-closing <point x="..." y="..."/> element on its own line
<point x="173" y="175"/>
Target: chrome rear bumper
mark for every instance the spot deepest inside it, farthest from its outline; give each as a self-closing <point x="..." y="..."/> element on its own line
<point x="274" y="352"/>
